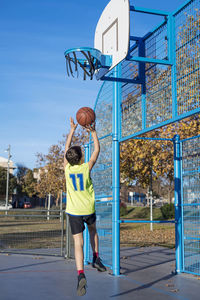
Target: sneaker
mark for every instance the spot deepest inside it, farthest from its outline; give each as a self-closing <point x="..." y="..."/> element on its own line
<point x="81" y="287"/>
<point x="98" y="264"/>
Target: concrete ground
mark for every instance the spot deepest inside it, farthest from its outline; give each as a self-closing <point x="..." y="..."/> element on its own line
<point x="146" y="273"/>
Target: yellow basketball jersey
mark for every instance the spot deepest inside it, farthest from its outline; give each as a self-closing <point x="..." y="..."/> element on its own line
<point x="80" y="192"/>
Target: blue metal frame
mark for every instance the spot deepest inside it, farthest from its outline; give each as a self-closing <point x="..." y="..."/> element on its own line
<point x="186" y="3"/>
<point x="145" y="221"/>
<point x="155" y="29"/>
<point x="149" y="11"/>
<point x="116" y="175"/>
<point x="151" y="138"/>
<point x="142" y="77"/>
<point x="150" y="60"/>
<point x="101" y="88"/>
<point x="118" y="80"/>
<point x="191" y="138"/>
<point x="177" y="204"/>
<point x="119" y="105"/>
<point x="170" y="121"/>
<point x="123" y="80"/>
<point x="172" y="58"/>
<point x="142" y="60"/>
<point x="102" y="137"/>
<point x="190" y="169"/>
<point x="182" y="220"/>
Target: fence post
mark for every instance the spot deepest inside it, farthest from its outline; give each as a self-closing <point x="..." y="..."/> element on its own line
<point x="61" y="194"/>
<point x="49" y="205"/>
<point x="67" y="245"/>
<point x="177" y="202"/>
<point x="62" y="231"/>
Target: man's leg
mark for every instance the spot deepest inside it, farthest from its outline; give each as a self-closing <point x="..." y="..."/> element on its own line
<point x="94" y="240"/>
<point x="78" y="249"/>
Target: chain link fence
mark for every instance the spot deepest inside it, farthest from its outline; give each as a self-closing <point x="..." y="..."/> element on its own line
<point x="37" y="232"/>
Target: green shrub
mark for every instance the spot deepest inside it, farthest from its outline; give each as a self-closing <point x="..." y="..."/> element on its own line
<point x="123" y="209"/>
<point x="168" y="211"/>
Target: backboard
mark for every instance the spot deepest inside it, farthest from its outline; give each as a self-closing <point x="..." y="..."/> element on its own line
<point x="112" y="31"/>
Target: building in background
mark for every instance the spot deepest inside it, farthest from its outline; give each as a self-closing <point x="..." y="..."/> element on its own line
<point x="4" y="164"/>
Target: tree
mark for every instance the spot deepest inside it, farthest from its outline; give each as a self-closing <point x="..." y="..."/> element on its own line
<point x="28" y="186"/>
<point x="50" y="166"/>
<point x="25" y="180"/>
<point x="3" y="182"/>
<point x="51" y="172"/>
<point x="21" y="173"/>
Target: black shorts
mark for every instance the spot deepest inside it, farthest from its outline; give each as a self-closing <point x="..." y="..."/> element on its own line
<point x="77" y="222"/>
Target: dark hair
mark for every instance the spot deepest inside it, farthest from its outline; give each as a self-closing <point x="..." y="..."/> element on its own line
<point x="74" y="155"/>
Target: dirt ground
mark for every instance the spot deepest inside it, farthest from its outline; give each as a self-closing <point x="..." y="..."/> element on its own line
<point x="141" y="235"/>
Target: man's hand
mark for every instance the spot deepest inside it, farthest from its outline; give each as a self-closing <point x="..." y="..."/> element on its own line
<point x="90" y="128"/>
<point x="95" y="154"/>
<point x="72" y="124"/>
<point x="69" y="139"/>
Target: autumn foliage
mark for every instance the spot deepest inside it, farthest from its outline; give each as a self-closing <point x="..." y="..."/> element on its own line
<point x="51" y="178"/>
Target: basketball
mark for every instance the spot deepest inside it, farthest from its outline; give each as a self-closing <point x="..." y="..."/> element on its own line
<point x="85" y="116"/>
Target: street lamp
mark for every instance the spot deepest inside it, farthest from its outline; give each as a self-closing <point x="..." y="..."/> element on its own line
<point x="7" y="181"/>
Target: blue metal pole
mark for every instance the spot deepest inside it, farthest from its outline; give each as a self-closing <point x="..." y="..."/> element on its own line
<point x="182" y="213"/>
<point x="177" y="203"/>
<point x="143" y="80"/>
<point x="86" y="233"/>
<point x="149" y="11"/>
<point x="149" y="60"/>
<point x="145" y="221"/>
<point x="116" y="176"/>
<point x="172" y="58"/>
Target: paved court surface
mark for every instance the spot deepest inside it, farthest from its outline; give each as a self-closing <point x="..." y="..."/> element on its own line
<point x="147" y="273"/>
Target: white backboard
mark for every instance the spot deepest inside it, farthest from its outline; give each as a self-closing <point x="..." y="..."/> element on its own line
<point x="113" y="30"/>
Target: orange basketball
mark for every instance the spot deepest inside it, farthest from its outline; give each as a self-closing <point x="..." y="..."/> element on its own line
<point x="85" y="116"/>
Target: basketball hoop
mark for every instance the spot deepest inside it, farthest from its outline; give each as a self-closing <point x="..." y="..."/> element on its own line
<point x="90" y="60"/>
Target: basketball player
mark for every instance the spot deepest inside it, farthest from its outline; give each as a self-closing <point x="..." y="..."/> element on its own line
<point x="81" y="202"/>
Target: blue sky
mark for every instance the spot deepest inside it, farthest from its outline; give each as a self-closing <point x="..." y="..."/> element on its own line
<point x="36" y="96"/>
